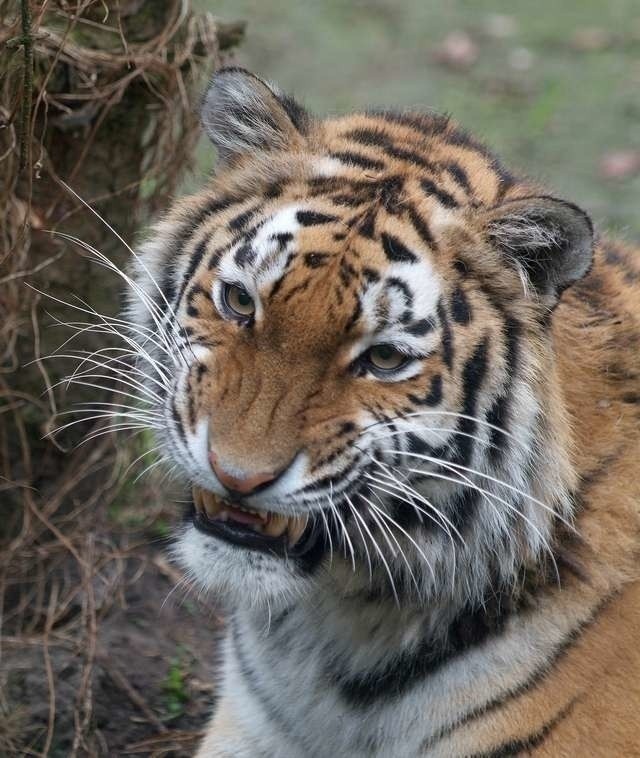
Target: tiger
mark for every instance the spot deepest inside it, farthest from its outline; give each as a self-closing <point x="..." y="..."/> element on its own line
<point x="402" y="385"/>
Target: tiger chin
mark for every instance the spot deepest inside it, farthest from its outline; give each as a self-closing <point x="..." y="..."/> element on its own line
<point x="402" y="384"/>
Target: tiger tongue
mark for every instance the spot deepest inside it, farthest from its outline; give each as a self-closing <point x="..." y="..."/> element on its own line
<point x="243" y="517"/>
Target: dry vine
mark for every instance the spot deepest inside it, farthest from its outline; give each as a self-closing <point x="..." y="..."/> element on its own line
<point x="69" y="69"/>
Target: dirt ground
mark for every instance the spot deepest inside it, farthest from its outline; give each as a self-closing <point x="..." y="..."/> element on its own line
<point x="135" y="675"/>
<point x="152" y="680"/>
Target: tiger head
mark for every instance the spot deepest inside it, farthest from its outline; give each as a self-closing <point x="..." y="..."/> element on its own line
<point x="352" y="333"/>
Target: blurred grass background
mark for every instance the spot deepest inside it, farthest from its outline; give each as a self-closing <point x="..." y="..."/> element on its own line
<point x="552" y="86"/>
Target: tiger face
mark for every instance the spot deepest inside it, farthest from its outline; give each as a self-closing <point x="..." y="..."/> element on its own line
<point x="353" y="332"/>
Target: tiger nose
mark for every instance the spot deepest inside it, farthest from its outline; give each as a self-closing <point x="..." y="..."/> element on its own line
<point x="243" y="485"/>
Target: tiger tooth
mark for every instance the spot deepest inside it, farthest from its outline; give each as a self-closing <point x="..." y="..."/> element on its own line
<point x="297" y="525"/>
<point x="276" y="525"/>
<point x="223" y="515"/>
<point x="197" y="499"/>
<point x="212" y="505"/>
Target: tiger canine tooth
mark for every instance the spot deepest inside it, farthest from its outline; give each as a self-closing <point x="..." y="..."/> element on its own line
<point x="276" y="525"/>
<point x="206" y="502"/>
<point x="197" y="499"/>
<point x="297" y="525"/>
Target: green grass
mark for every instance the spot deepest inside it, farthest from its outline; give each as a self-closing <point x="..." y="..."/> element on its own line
<point x="553" y="121"/>
<point x="174" y="687"/>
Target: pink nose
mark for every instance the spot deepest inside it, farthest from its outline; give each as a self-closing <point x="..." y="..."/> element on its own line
<point x="244" y="485"/>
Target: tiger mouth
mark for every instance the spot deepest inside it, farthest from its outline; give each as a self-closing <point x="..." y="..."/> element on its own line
<point x="256" y="530"/>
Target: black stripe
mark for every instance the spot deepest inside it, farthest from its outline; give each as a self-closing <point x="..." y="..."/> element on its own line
<point x="459" y="175"/>
<point x="370" y="275"/>
<point x="379" y="139"/>
<point x="355" y="159"/>
<point x="463" y="506"/>
<point x="277" y="285"/>
<point x="615" y="257"/>
<point x="411" y="156"/>
<point x="460" y="308"/>
<point x="534" y="679"/>
<point x="531" y="741"/>
<point x="390" y="192"/>
<point x="195" y="260"/>
<point x="415" y="444"/>
<point x="430" y="188"/>
<point x="298" y="115"/>
<point x="426" y="123"/>
<point x="369" y="137"/>
<point x="178" y="421"/>
<point x="242" y="219"/>
<point x="421" y="226"/>
<point x="461" y="138"/>
<point x="244" y="255"/>
<point x="498" y="415"/>
<point x="447" y="336"/>
<point x="272" y="709"/>
<point x="355" y="315"/>
<point x="182" y="237"/>
<point x="282" y="238"/>
<point x="433" y="396"/>
<point x="407" y="668"/>
<point x="396" y="251"/>
<point x="316" y="259"/>
<point x="393" y="282"/>
<point x="473" y="375"/>
<point x="273" y="189"/>
<point x="421" y="327"/>
<point x="312" y="218"/>
<point x="366" y="225"/>
<point x="302" y="287"/>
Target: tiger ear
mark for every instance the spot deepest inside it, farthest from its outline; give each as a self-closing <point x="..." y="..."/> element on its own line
<point x="243" y="114"/>
<point x="548" y="239"/>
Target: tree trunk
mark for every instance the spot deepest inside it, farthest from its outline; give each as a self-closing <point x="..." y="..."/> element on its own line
<point x="100" y="95"/>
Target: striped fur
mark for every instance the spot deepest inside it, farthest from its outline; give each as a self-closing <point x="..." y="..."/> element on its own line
<point x="474" y="589"/>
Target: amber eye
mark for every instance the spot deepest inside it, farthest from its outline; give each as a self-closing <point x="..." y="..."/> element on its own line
<point x="385" y="357"/>
<point x="238" y="301"/>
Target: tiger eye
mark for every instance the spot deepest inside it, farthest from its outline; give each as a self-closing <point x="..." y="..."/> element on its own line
<point x="386" y="357"/>
<point x="239" y="301"/>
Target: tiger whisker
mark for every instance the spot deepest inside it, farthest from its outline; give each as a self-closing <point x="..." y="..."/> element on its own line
<point x="144" y="422"/>
<point x="147" y="469"/>
<point x="490" y="497"/>
<point x="506" y="485"/>
<point x="136" y="257"/>
<point x="150" y="451"/>
<point x="328" y="533"/>
<point x="364" y="543"/>
<point x="392" y="521"/>
<point x="479" y="421"/>
<point x="440" y="431"/>
<point x="109" y="325"/>
<point x="440" y="519"/>
<point x="378" y="550"/>
<point x="129" y="381"/>
<point x="345" y="535"/>
<point x="385" y="530"/>
<point x="112" y="389"/>
<point x="108" y="364"/>
<point x="112" y="429"/>
<point x="147" y="301"/>
<point x="92" y="312"/>
<point x="114" y="408"/>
